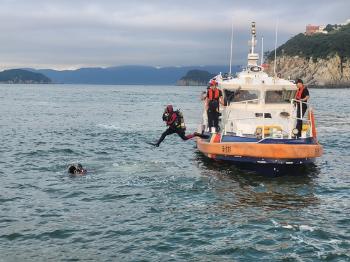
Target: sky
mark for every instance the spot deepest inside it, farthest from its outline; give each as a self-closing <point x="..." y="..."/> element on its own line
<point x="70" y="34"/>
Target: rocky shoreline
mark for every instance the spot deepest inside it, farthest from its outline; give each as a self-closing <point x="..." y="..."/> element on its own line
<point x="329" y="87"/>
<point x="330" y="72"/>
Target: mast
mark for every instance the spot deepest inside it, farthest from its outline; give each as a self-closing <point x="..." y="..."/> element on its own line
<point x="253" y="37"/>
<point x="253" y="57"/>
<point x="231" y="48"/>
<point x="274" y="64"/>
<point x="262" y="50"/>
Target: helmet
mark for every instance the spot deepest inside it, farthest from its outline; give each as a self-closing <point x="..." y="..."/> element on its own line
<point x="169" y="109"/>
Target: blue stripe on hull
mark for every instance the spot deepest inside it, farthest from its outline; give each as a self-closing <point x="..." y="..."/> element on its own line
<point x="262" y="161"/>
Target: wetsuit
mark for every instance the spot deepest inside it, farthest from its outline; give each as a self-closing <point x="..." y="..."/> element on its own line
<point x="75" y="169"/>
<point x="174" y="124"/>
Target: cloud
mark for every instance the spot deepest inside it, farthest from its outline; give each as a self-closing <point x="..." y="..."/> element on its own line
<point x="69" y="34"/>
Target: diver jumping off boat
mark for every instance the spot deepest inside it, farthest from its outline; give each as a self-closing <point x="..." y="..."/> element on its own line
<point x="175" y="122"/>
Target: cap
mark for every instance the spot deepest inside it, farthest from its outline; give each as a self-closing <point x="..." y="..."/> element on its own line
<point x="213" y="83"/>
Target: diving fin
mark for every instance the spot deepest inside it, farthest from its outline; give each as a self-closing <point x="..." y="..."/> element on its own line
<point x="152" y="144"/>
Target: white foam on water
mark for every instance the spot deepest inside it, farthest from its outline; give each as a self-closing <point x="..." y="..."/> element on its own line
<point x="133" y="127"/>
<point x="276" y="224"/>
<point x="306" y="228"/>
<point x="288" y="226"/>
<point x="334" y="241"/>
<point x="299" y="239"/>
<point x="283" y="225"/>
<point x="109" y="126"/>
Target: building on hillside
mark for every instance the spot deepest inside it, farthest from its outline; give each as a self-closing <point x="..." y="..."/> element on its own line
<point x="313" y="29"/>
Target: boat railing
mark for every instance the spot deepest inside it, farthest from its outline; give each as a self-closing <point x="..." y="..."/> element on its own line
<point x="306" y="117"/>
<point x="299" y="104"/>
<point x="264" y="126"/>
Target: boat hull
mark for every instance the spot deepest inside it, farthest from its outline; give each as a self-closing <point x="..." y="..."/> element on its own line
<point x="288" y="153"/>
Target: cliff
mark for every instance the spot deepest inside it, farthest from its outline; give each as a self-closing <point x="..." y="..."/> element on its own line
<point x="329" y="71"/>
<point x="319" y="59"/>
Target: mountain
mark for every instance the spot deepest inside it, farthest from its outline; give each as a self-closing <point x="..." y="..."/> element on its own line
<point x="126" y="75"/>
<point x="195" y="78"/>
<point x="319" y="59"/>
<point x="20" y="76"/>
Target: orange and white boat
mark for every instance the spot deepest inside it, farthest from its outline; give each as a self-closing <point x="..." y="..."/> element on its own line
<point x="257" y="125"/>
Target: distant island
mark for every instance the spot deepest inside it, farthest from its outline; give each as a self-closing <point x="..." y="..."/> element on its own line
<point x="118" y="75"/>
<point x="320" y="56"/>
<point x="195" y="78"/>
<point x="20" y="76"/>
<point x="126" y="75"/>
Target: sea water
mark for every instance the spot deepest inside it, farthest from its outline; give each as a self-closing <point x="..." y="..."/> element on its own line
<point x="139" y="203"/>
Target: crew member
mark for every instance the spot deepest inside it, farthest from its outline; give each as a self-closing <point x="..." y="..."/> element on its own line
<point x="302" y="95"/>
<point x="214" y="98"/>
<point x="175" y="122"/>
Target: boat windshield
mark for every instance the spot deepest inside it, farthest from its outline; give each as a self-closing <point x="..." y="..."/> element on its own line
<point x="279" y="96"/>
<point x="250" y="96"/>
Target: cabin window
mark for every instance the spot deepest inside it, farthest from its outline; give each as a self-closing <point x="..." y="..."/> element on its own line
<point x="249" y="96"/>
<point x="279" y="96"/>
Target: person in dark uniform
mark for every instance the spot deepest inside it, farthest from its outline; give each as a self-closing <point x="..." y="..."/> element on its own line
<point x="301" y="95"/>
<point x="213" y="101"/>
<point x="175" y="122"/>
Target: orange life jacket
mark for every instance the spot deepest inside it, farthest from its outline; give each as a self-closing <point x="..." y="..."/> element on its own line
<point x="213" y="94"/>
<point x="299" y="92"/>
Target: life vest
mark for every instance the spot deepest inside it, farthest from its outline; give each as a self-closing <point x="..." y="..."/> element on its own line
<point x="213" y="94"/>
<point x="299" y="93"/>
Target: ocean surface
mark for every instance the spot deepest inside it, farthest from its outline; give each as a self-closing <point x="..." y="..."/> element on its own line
<point x="139" y="203"/>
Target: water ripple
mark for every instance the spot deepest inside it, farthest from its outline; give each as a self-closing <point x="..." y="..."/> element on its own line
<point x="140" y="203"/>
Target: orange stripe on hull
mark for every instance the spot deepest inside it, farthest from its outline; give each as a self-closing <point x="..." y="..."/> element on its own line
<point x="275" y="151"/>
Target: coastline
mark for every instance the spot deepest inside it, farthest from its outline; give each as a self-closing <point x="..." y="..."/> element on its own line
<point x="329" y="86"/>
<point x="175" y="85"/>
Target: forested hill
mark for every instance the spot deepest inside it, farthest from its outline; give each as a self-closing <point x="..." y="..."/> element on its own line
<point x="317" y="45"/>
<point x="321" y="60"/>
<point x="195" y="78"/>
<point x="20" y="76"/>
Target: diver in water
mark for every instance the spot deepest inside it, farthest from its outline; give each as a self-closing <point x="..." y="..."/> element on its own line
<point x="175" y="122"/>
<point x="76" y="169"/>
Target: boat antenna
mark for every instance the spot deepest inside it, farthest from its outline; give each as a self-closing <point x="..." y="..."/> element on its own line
<point x="274" y="64"/>
<point x="262" y="50"/>
<point x="231" y="48"/>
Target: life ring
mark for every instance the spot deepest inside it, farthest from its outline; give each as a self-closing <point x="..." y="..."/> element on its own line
<point x="255" y="69"/>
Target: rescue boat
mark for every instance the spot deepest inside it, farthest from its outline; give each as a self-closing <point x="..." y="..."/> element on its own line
<point x="257" y="123"/>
